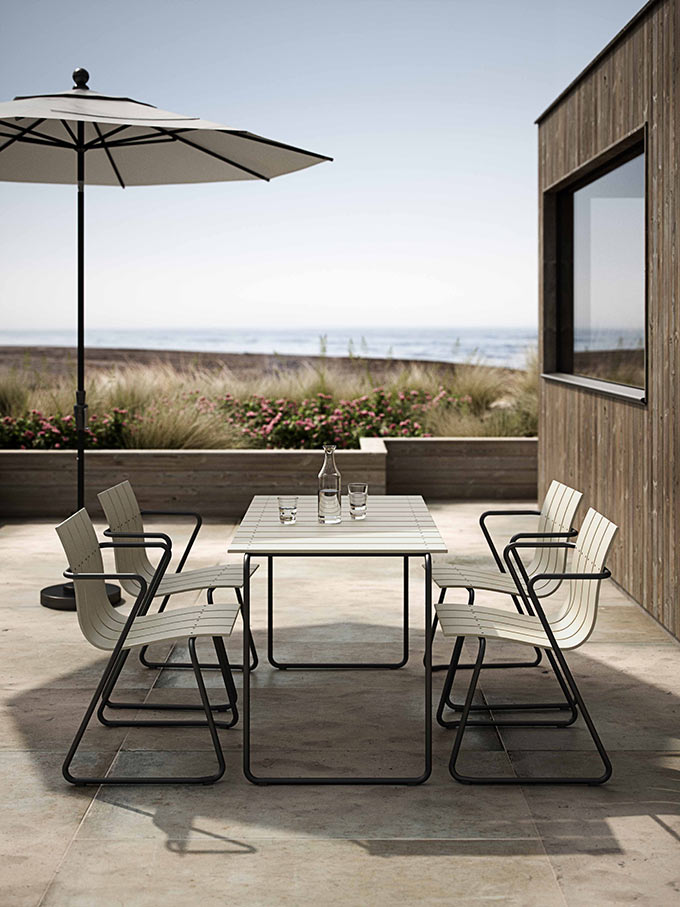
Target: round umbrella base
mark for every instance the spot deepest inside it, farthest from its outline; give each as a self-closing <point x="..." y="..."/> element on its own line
<point x="62" y="597"/>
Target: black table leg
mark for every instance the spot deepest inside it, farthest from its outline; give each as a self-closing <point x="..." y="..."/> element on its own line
<point x="334" y="665"/>
<point x="326" y="780"/>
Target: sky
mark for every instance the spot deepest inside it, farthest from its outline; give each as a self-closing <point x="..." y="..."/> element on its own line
<point x="426" y="216"/>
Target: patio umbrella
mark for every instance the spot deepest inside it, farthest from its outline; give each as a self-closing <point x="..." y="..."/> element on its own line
<point x="79" y="136"/>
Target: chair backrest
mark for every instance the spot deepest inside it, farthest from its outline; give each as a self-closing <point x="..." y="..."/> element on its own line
<point x="557" y="515"/>
<point x="123" y="515"/>
<point x="577" y="618"/>
<point x="97" y="617"/>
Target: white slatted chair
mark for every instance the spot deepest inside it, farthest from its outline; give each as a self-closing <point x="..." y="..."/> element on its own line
<point x="555" y="521"/>
<point x="105" y="628"/>
<point x="125" y="519"/>
<point x="570" y="629"/>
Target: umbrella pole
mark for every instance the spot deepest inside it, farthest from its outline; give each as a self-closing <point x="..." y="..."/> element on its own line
<point x="62" y="596"/>
<point x="80" y="408"/>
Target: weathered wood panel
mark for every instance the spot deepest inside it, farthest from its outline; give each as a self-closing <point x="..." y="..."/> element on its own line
<point x="625" y="457"/>
<point x="463" y="468"/>
<point x="221" y="483"/>
<point x="217" y="483"/>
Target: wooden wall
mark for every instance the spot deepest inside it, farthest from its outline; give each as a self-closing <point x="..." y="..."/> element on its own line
<point x="625" y="456"/>
<point x="463" y="468"/>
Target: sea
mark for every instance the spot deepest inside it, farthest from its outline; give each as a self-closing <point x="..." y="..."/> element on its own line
<point x="490" y="346"/>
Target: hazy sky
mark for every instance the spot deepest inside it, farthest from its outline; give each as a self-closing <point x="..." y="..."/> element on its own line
<point x="427" y="215"/>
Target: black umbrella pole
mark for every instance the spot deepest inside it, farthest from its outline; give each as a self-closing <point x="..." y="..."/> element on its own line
<point x="80" y="409"/>
<point x="61" y="597"/>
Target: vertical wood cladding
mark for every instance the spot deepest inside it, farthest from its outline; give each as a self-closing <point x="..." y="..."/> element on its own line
<point x="623" y="456"/>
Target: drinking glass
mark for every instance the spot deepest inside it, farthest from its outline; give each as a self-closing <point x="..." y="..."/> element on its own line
<point x="358" y="494"/>
<point x="288" y="509"/>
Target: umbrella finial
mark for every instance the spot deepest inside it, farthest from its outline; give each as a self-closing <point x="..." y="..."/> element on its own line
<point x="81" y="77"/>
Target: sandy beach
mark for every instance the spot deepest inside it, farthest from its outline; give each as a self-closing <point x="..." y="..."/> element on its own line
<point x="61" y="360"/>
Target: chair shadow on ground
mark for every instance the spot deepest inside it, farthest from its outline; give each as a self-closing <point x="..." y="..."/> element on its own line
<point x="328" y="722"/>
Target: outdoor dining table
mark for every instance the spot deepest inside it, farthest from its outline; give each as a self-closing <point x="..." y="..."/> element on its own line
<point x="395" y="525"/>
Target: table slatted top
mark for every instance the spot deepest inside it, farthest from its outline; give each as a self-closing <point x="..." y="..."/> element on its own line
<point x="394" y="524"/>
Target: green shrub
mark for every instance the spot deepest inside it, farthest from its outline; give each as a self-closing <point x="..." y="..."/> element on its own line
<point x="39" y="432"/>
<point x="309" y="423"/>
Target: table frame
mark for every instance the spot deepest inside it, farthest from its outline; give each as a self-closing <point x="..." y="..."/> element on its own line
<point x="246" y="704"/>
<point x="333" y="665"/>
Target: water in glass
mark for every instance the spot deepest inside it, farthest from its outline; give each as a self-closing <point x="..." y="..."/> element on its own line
<point x="358" y="499"/>
<point x="288" y="509"/>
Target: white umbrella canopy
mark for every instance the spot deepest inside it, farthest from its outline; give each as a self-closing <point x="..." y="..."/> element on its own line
<point x="130" y="143"/>
<point x="82" y="137"/>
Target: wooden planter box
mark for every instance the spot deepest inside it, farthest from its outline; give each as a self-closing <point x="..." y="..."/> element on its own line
<point x="463" y="468"/>
<point x="220" y="483"/>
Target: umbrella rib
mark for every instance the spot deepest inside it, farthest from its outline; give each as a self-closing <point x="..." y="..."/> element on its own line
<point x="258" y="138"/>
<point x="69" y="131"/>
<point x="219" y="157"/>
<point x="142" y="140"/>
<point x="24" y="134"/>
<point x="30" y="140"/>
<point x="21" y="132"/>
<point x="149" y="138"/>
<point x="109" y="156"/>
<point x="94" y="143"/>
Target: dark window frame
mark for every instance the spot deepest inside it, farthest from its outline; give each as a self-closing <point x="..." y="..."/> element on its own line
<point x="558" y="237"/>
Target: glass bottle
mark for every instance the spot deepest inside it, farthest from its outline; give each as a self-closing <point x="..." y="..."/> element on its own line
<point x="329" y="488"/>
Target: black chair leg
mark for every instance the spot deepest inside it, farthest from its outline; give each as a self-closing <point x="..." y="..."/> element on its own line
<point x="560" y="779"/>
<point x="230" y="686"/>
<point x="569" y="705"/>
<point x="108" y="703"/>
<point x="105" y="686"/>
<point x="208" y="714"/>
<point x="466" y="712"/>
<point x="448" y="682"/>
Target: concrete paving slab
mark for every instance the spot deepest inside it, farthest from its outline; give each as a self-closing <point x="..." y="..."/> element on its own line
<point x="262" y="872"/>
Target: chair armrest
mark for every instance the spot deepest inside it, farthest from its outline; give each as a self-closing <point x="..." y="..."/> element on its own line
<point x="487" y="535"/>
<point x="515" y="545"/>
<point x="544" y="535"/>
<point x="109" y="533"/>
<point x="196" y="516"/>
<point x="164" y="545"/>
<point x="192" y="538"/>
<point x="488" y="513"/>
<point x="604" y="574"/>
<point x="70" y="574"/>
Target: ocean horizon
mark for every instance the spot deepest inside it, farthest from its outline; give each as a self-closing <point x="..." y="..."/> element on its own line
<point x="492" y="346"/>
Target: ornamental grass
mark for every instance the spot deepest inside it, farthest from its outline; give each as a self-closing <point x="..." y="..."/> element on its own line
<point x="160" y="407"/>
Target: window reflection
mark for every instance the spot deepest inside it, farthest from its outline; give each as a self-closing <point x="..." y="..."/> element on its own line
<point x="609" y="276"/>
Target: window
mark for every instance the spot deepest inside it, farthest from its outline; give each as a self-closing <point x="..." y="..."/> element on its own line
<point x="601" y="283"/>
